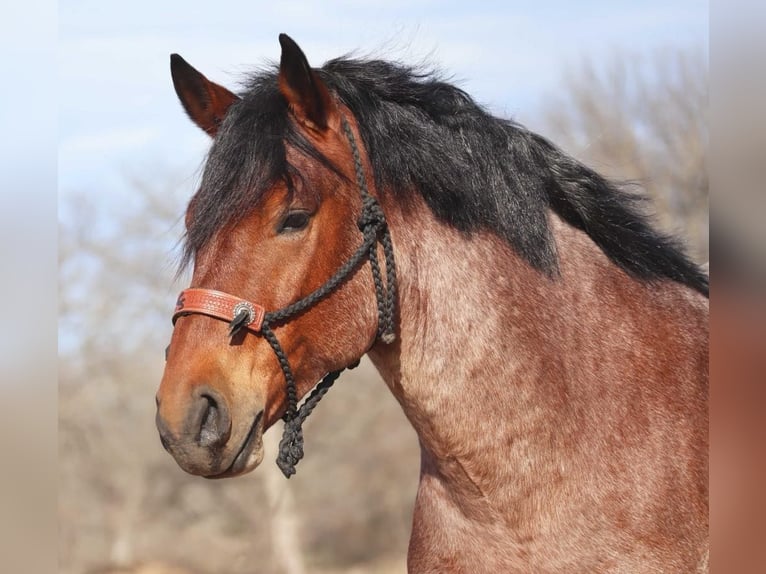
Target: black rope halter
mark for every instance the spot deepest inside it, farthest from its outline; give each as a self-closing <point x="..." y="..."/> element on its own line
<point x="372" y="223"/>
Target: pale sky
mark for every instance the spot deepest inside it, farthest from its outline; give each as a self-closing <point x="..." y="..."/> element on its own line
<point x="119" y="116"/>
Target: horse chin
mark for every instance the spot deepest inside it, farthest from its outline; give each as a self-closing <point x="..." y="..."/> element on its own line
<point x="244" y="465"/>
<point x="250" y="454"/>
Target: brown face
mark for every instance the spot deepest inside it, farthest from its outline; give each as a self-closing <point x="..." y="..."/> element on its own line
<point x="219" y="393"/>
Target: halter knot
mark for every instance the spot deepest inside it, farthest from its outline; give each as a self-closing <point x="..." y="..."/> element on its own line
<point x="372" y="214"/>
<point x="290" y="449"/>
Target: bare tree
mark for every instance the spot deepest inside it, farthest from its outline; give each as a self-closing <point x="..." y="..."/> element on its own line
<point x="644" y="119"/>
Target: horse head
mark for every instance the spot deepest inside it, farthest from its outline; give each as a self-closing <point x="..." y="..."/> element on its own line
<point x="277" y="215"/>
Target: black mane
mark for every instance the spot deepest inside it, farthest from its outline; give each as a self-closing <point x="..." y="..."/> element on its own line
<point x="425" y="136"/>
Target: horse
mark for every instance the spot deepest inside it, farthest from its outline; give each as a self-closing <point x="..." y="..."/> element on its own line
<point x="547" y="344"/>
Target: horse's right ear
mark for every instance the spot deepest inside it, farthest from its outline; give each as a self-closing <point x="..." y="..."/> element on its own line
<point x="206" y="102"/>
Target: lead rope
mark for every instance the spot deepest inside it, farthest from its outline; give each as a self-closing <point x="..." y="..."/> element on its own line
<point x="372" y="224"/>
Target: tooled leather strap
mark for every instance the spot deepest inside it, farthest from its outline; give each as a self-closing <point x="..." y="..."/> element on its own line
<point x="219" y="305"/>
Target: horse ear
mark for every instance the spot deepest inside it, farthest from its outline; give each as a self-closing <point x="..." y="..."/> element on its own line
<point x="205" y="102"/>
<point x="304" y="91"/>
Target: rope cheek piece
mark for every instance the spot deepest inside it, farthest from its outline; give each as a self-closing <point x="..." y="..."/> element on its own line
<point x="242" y="314"/>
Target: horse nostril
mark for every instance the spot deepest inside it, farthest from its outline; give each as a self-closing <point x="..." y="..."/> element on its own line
<point x="214" y="428"/>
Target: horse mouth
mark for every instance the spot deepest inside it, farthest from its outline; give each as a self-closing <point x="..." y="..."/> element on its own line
<point x="250" y="454"/>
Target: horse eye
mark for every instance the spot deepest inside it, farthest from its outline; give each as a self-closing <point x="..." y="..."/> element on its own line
<point x="294" y="221"/>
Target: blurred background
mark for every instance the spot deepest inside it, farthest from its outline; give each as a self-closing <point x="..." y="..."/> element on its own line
<point x="622" y="86"/>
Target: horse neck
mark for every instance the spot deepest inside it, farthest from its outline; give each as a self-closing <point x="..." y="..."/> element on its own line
<point x="459" y="304"/>
<point x="495" y="362"/>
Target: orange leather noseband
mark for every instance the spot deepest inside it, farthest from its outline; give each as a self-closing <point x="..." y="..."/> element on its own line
<point x="219" y="305"/>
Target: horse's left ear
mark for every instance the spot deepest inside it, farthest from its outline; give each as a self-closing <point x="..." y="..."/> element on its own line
<point x="304" y="91"/>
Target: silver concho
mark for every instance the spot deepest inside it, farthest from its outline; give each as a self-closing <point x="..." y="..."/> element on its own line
<point x="245" y="306"/>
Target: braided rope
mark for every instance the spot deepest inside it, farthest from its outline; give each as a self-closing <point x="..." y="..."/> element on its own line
<point x="284" y="364"/>
<point x="371" y="211"/>
<point x="291" y="445"/>
<point x="388" y="334"/>
<point x="372" y="223"/>
<point x="313" y="298"/>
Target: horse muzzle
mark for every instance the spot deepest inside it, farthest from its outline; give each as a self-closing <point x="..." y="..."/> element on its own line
<point x="206" y="440"/>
